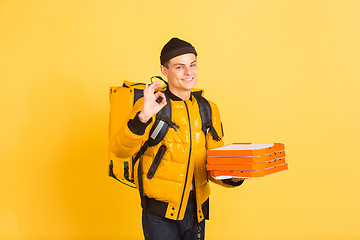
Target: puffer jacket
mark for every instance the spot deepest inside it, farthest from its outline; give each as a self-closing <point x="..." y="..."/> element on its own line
<point x="166" y="187"/>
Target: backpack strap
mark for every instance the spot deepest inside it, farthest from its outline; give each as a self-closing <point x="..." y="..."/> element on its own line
<point x="138" y="93"/>
<point x="162" y="123"/>
<point x="157" y="133"/>
<point x="159" y="129"/>
<point x="206" y="116"/>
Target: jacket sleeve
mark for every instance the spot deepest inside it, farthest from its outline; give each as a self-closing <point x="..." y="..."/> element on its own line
<point x="132" y="134"/>
<point x="211" y="143"/>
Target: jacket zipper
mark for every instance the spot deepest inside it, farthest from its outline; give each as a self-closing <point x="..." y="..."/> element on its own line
<point x="187" y="170"/>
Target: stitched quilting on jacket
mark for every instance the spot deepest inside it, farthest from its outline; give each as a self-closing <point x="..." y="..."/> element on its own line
<point x="170" y="168"/>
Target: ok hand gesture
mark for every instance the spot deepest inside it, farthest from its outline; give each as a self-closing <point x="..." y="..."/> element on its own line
<point x="150" y="106"/>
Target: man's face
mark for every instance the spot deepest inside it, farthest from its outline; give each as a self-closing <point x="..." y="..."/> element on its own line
<point x="182" y="74"/>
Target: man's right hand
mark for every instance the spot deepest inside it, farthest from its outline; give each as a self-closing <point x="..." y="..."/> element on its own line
<point x="150" y="106"/>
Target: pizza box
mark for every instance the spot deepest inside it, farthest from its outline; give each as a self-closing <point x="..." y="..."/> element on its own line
<point x="246" y="160"/>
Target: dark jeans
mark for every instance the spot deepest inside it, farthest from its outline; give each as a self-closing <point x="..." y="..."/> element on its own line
<point x="160" y="228"/>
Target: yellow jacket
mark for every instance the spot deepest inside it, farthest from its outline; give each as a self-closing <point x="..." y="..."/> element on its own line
<point x="167" y="190"/>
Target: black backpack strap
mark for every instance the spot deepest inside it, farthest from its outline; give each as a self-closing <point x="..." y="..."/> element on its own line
<point x="138" y="93"/>
<point x="140" y="153"/>
<point x="157" y="133"/>
<point x="140" y="183"/>
<point x="159" y="129"/>
<point x="206" y="116"/>
<point x="162" y="123"/>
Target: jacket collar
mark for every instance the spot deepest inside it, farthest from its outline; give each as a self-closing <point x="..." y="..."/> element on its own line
<point x="173" y="96"/>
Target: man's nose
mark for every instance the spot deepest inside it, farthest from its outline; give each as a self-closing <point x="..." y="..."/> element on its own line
<point x="187" y="71"/>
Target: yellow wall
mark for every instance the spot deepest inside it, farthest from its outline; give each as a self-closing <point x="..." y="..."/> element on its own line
<point x="280" y="71"/>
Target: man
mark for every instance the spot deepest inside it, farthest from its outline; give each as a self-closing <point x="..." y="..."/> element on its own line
<point x="174" y="183"/>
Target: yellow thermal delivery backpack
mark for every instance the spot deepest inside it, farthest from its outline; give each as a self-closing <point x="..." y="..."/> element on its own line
<point x="122" y="100"/>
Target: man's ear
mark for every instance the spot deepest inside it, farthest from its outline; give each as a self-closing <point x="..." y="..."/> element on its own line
<point x="164" y="71"/>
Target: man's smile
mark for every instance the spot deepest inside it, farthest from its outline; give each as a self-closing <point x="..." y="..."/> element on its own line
<point x="187" y="79"/>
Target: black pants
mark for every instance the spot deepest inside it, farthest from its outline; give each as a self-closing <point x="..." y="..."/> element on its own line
<point x="160" y="228"/>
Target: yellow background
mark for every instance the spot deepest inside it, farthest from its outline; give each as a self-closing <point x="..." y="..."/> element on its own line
<point x="280" y="71"/>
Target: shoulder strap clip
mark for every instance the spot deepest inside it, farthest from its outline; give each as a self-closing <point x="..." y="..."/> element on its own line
<point x="168" y="121"/>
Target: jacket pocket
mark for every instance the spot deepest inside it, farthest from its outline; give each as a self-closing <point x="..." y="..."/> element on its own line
<point x="156" y="162"/>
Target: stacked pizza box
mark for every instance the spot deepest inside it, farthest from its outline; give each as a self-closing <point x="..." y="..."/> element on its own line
<point x="246" y="160"/>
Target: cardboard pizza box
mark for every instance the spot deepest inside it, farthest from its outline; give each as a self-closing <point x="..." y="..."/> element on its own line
<point x="245" y="166"/>
<point x="246" y="160"/>
<point x="247" y="173"/>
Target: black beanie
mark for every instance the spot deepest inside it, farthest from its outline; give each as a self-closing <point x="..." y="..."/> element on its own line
<point x="175" y="47"/>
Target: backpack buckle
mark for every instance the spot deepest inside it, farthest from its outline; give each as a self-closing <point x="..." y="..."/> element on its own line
<point x="168" y="121"/>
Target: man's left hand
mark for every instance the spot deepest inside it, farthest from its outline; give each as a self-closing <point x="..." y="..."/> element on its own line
<point x="235" y="180"/>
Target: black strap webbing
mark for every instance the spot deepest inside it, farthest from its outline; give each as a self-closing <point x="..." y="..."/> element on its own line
<point x="163" y="115"/>
<point x="206" y="117"/>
